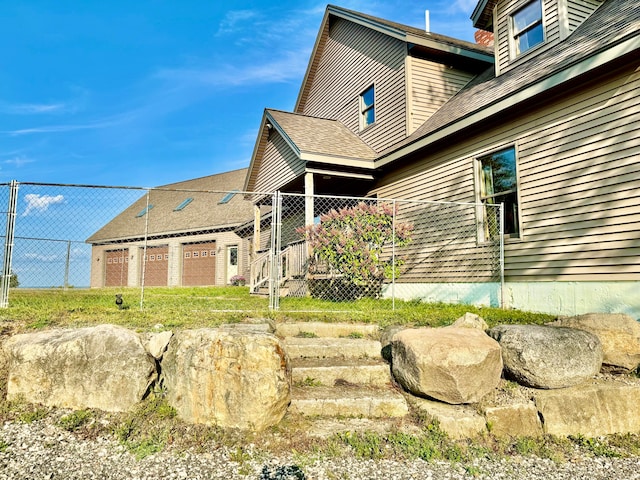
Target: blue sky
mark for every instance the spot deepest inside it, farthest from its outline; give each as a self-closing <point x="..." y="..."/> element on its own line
<point x="147" y="93"/>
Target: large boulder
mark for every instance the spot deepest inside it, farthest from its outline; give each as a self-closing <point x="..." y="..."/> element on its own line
<point x="231" y="378"/>
<point x="453" y="365"/>
<point x="548" y="357"/>
<point x="619" y="334"/>
<point x="591" y="410"/>
<point x="104" y="367"/>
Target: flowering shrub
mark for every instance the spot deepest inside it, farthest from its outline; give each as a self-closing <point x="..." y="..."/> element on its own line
<point x="238" y="281"/>
<point x="351" y="241"/>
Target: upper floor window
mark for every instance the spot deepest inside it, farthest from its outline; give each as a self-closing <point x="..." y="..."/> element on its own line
<point x="367" y="108"/>
<point x="498" y="184"/>
<point x="526" y="24"/>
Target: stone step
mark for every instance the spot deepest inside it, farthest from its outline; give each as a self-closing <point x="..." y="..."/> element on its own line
<point x="326" y="427"/>
<point x="332" y="348"/>
<point x="321" y="329"/>
<point x="374" y="375"/>
<point x="348" y="401"/>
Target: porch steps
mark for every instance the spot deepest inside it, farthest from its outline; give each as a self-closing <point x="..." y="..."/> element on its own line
<point x="339" y="375"/>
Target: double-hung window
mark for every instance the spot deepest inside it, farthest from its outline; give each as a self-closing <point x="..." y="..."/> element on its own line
<point x="526" y="27"/>
<point x="499" y="185"/>
<point x="367" y="108"/>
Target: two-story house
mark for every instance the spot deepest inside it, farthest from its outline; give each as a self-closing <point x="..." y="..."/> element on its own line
<point x="545" y="122"/>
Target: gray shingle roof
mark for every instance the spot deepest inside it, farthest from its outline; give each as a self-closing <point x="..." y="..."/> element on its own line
<point x="203" y="213"/>
<point x="615" y="21"/>
<point x="321" y="136"/>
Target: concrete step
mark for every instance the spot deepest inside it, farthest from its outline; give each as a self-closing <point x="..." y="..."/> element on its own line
<point x="373" y="375"/>
<point x="321" y="329"/>
<point x="348" y="401"/>
<point x="331" y="348"/>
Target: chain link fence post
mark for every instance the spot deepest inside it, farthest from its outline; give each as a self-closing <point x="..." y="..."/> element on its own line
<point x="5" y="282"/>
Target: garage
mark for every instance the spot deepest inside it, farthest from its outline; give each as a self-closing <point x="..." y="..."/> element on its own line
<point x="116" y="268"/>
<point x="156" y="266"/>
<point x="199" y="264"/>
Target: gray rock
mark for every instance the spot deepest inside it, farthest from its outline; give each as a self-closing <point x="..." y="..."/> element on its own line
<point x="619" y="334"/>
<point x="548" y="357"/>
<point x="104" y="367"/>
<point x="453" y="365"/>
<point x="230" y="378"/>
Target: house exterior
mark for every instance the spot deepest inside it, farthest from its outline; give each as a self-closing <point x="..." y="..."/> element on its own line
<point x="185" y="231"/>
<point x="546" y="122"/>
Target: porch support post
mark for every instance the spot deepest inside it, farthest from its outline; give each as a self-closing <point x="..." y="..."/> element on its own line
<point x="308" y="199"/>
<point x="256" y="229"/>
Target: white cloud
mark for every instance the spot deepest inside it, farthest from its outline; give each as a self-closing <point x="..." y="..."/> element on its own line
<point x="35" y="108"/>
<point x="40" y="203"/>
<point x="40" y="258"/>
<point x="18" y="161"/>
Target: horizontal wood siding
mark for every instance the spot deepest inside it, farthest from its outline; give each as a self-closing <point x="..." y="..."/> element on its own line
<point x="578" y="182"/>
<point x="353" y="59"/>
<point x="432" y="84"/>
<point x="551" y="23"/>
<point x="279" y="166"/>
<point x="579" y="10"/>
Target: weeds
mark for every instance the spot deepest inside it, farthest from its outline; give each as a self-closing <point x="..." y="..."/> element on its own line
<point x="148" y="428"/>
<point x="75" y="420"/>
<point x="308" y="382"/>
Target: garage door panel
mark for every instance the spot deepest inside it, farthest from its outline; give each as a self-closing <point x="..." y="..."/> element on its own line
<point x="199" y="264"/>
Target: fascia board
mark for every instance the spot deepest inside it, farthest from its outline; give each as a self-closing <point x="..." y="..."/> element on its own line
<point x="584" y="66"/>
<point x="366" y="22"/>
<point x="477" y="12"/>
<point x="337" y="160"/>
<point x="256" y="147"/>
<point x="283" y="134"/>
<point x="335" y="173"/>
<point x="432" y="44"/>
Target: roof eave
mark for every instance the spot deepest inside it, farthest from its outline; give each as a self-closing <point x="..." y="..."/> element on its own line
<point x="580" y="68"/>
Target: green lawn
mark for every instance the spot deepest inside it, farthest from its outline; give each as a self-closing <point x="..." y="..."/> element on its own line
<point x="179" y="308"/>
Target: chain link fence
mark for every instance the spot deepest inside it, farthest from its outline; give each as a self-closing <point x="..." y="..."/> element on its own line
<point x="303" y="252"/>
<point x="346" y="249"/>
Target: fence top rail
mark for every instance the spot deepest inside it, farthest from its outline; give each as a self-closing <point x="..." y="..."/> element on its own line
<point x="397" y="200"/>
<point x="123" y="187"/>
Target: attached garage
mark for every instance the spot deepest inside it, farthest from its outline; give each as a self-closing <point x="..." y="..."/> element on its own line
<point x="116" y="268"/>
<point x="156" y="266"/>
<point x="199" y="264"/>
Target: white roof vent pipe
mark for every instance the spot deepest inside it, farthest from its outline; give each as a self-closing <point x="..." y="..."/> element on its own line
<point x="427" y="27"/>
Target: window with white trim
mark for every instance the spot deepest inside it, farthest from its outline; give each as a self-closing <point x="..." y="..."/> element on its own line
<point x="499" y="184"/>
<point x="526" y="27"/>
<point x="367" y="108"/>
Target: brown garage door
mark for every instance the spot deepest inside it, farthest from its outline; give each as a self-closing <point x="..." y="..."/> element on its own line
<point x="116" y="268"/>
<point x="156" y="266"/>
<point x="199" y="264"/>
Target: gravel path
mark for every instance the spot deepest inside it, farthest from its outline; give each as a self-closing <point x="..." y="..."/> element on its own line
<point x="41" y="450"/>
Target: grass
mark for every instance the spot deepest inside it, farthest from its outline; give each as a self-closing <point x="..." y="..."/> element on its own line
<point x="195" y="307"/>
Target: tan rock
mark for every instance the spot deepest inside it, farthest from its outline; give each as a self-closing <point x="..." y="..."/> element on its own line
<point x="618" y="333"/>
<point x="590" y="410"/>
<point x="457" y="421"/>
<point x="231" y="378"/>
<point x="517" y="420"/>
<point x="158" y="343"/>
<point x="471" y="320"/>
<point x="104" y="367"/>
<point x="453" y="365"/>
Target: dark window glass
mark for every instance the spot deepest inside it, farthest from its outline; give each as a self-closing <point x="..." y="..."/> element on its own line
<point x="498" y="184"/>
